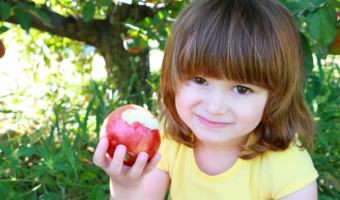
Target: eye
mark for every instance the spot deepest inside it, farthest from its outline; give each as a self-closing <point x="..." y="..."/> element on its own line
<point x="199" y="80"/>
<point x="241" y="89"/>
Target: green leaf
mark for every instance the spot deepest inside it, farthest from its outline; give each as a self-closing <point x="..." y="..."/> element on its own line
<point x="61" y="167"/>
<point x="144" y="42"/>
<point x="26" y="152"/>
<point x="88" y="110"/>
<point x="89" y="175"/>
<point x="40" y="171"/>
<point x="320" y="24"/>
<point x="15" y="196"/>
<point x="15" y="163"/>
<point x="8" y="151"/>
<point x="132" y="80"/>
<point x="36" y="167"/>
<point x="69" y="153"/>
<point x="3" y="29"/>
<point x="323" y="138"/>
<point x="75" y="143"/>
<point x="34" y="196"/>
<point x="49" y="139"/>
<point x="22" y="17"/>
<point x="132" y="42"/>
<point x="89" y="11"/>
<point x="36" y="136"/>
<point x="40" y="15"/>
<point x="104" y="2"/>
<point x="307" y="56"/>
<point x="164" y="31"/>
<point x="129" y="21"/>
<point x="311" y="4"/>
<point x="98" y="122"/>
<point x="331" y="178"/>
<point x="56" y="157"/>
<point x="82" y="127"/>
<point x="94" y="195"/>
<point x="4" y="192"/>
<point x="147" y="22"/>
<point x="5" y="10"/>
<point x="335" y="3"/>
<point x="43" y="152"/>
<point x="321" y="51"/>
<point x="45" y="197"/>
<point x="158" y="18"/>
<point x="100" y="97"/>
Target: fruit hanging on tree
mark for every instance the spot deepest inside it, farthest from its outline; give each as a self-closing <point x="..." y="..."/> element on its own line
<point x="335" y="48"/>
<point x="134" y="127"/>
<point x="2" y="49"/>
<point x="131" y="46"/>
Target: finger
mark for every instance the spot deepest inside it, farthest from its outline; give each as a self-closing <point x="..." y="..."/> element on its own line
<point x="138" y="168"/>
<point x="118" y="160"/>
<point x="99" y="157"/>
<point x="153" y="163"/>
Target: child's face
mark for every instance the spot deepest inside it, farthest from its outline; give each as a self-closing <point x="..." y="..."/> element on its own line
<point x="220" y="111"/>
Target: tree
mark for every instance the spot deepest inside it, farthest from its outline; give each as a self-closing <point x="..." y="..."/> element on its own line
<point x="104" y="25"/>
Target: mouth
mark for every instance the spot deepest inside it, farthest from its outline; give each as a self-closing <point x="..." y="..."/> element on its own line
<point x="212" y="124"/>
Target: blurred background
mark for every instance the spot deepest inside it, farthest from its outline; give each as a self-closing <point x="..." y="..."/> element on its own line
<point x="66" y="64"/>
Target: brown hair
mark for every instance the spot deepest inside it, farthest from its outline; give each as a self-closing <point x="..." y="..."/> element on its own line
<point x="255" y="42"/>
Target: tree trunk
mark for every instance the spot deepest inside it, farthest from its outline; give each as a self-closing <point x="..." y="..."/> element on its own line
<point x="121" y="65"/>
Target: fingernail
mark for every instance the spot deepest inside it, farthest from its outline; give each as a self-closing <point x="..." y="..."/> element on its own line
<point x="157" y="156"/>
<point x="103" y="142"/>
<point x="120" y="148"/>
<point x="143" y="156"/>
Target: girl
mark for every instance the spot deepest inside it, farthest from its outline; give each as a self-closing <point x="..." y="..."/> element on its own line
<point x="232" y="106"/>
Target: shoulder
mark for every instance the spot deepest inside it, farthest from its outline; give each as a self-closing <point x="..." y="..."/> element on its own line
<point x="169" y="150"/>
<point x="286" y="171"/>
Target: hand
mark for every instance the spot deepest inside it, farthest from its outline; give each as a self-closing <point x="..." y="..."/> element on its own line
<point x="120" y="173"/>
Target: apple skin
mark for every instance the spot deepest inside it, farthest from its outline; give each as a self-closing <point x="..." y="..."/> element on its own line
<point x="131" y="50"/>
<point x="335" y="48"/>
<point x="2" y="49"/>
<point x="134" y="127"/>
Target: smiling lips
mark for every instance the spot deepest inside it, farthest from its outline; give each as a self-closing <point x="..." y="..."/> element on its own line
<point x="211" y="124"/>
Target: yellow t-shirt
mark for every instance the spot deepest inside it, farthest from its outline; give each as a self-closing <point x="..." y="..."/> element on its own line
<point x="272" y="175"/>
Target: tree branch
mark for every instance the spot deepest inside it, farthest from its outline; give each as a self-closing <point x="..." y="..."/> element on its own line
<point x="92" y="32"/>
<point x="70" y="27"/>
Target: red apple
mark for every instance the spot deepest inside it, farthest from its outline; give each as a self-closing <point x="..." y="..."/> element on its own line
<point x="2" y="49"/>
<point x="136" y="128"/>
<point x="131" y="50"/>
<point x="335" y="48"/>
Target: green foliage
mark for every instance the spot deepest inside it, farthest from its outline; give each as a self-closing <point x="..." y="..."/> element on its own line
<point x="317" y="21"/>
<point x="322" y="95"/>
<point x="53" y="159"/>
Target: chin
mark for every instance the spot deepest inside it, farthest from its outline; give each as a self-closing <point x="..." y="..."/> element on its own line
<point x="210" y="138"/>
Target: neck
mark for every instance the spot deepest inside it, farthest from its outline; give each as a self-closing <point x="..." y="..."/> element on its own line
<point x="232" y="146"/>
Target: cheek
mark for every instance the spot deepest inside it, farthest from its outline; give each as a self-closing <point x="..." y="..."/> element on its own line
<point x="250" y="115"/>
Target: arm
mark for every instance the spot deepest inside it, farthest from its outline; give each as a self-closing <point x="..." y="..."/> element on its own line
<point x="156" y="184"/>
<point x="309" y="192"/>
<point x="125" y="182"/>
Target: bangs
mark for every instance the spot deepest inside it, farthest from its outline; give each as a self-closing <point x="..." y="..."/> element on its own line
<point x="228" y="43"/>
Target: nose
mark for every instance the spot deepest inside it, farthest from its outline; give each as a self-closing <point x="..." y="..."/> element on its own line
<point x="216" y="102"/>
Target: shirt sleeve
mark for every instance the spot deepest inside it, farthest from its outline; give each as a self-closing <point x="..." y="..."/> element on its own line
<point x="286" y="172"/>
<point x="168" y="150"/>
